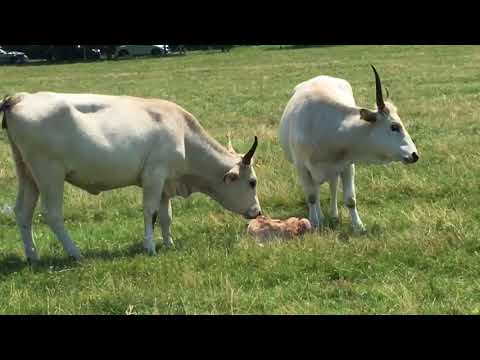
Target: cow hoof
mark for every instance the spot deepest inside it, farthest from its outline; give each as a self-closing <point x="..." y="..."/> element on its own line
<point x="76" y="258"/>
<point x="74" y="254"/>
<point x="359" y="229"/>
<point x="316" y="225"/>
<point x="169" y="244"/>
<point x="335" y="221"/>
<point x="33" y="261"/>
<point x="320" y="226"/>
<point x="150" y="251"/>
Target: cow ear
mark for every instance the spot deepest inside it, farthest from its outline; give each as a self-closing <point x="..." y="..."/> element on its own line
<point x="232" y="175"/>
<point x="368" y="115"/>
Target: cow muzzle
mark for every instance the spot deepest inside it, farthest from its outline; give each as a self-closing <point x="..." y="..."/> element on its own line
<point x="411" y="159"/>
<point x="253" y="213"/>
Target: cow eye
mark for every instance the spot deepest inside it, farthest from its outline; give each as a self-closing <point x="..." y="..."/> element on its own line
<point x="253" y="183"/>
<point x="396" y="128"/>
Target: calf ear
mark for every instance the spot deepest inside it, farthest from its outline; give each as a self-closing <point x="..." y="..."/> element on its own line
<point x="368" y="115"/>
<point x="232" y="175"/>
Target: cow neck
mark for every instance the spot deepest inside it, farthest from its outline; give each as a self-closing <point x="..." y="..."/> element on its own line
<point x="359" y="133"/>
<point x="207" y="161"/>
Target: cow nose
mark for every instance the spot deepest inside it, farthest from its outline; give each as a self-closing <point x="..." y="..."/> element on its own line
<point x="253" y="215"/>
<point x="414" y="157"/>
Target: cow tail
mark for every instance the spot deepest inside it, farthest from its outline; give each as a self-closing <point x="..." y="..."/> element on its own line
<point x="2" y="110"/>
<point x="5" y="105"/>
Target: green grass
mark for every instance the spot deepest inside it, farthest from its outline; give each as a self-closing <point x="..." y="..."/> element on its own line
<point x="420" y="254"/>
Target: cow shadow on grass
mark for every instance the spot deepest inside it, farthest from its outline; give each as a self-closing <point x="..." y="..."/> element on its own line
<point x="44" y="62"/>
<point x="11" y="263"/>
<point x="295" y="47"/>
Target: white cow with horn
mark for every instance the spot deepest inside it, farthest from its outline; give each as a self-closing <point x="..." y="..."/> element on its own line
<point x="323" y="133"/>
<point x="99" y="143"/>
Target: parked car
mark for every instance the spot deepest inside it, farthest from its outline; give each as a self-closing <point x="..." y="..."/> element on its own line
<point x="12" y="57"/>
<point x="36" y="52"/>
<point x="180" y="49"/>
<point x="141" y="50"/>
<point x="73" y="52"/>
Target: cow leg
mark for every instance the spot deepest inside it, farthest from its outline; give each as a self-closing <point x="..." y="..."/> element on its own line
<point x="333" y="199"/>
<point x="348" y="182"/>
<point x="50" y="177"/>
<point x="27" y="198"/>
<point x="311" y="190"/>
<point x="152" y="182"/>
<point x="165" y="219"/>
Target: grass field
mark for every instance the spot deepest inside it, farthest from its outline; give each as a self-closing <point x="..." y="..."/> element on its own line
<point x="421" y="252"/>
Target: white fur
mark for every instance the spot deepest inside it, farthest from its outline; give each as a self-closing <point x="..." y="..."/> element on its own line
<point x="99" y="143"/>
<point x="322" y="134"/>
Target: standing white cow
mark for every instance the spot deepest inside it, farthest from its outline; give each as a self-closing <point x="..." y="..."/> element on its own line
<point x="100" y="143"/>
<point x="323" y="133"/>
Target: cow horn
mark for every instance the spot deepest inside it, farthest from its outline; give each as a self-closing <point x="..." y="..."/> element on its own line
<point x="229" y="145"/>
<point x="378" y="85"/>
<point x="247" y="158"/>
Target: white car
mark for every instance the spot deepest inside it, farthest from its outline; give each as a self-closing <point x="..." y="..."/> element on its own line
<point x="12" y="57"/>
<point x="140" y="50"/>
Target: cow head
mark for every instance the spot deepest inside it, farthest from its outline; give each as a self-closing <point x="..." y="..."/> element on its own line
<point x="238" y="191"/>
<point x="389" y="139"/>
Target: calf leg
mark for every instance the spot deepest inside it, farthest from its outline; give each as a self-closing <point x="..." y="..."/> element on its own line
<point x="348" y="181"/>
<point x="311" y="190"/>
<point x="27" y="198"/>
<point x="165" y="219"/>
<point x="50" y="176"/>
<point x="152" y="182"/>
<point x="333" y="199"/>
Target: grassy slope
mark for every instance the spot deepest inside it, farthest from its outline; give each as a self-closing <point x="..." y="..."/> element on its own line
<point x="421" y="252"/>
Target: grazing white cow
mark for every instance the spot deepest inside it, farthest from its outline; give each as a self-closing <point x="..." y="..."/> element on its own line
<point x="323" y="133"/>
<point x="100" y="143"/>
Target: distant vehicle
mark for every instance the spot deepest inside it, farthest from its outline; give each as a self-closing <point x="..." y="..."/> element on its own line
<point x="12" y="57"/>
<point x="141" y="50"/>
<point x="36" y="52"/>
<point x="180" y="49"/>
<point x="75" y="52"/>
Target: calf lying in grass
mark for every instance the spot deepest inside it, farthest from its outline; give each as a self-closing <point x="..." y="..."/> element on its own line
<point x="264" y="228"/>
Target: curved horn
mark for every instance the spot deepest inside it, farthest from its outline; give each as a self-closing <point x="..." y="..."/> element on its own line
<point x="247" y="158"/>
<point x="229" y="145"/>
<point x="378" y="85"/>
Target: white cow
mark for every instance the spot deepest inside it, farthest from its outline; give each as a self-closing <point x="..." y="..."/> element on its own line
<point x="100" y="143"/>
<point x="323" y="133"/>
